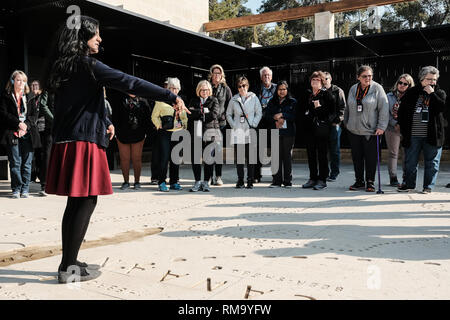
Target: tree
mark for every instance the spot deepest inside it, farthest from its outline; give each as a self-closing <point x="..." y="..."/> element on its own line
<point x="409" y="15"/>
<point x="297" y="28"/>
<point x="225" y="9"/>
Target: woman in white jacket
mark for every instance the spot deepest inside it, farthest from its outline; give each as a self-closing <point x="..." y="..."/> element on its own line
<point x="243" y="114"/>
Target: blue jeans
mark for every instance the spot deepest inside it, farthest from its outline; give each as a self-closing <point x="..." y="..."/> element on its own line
<point x="335" y="150"/>
<point x="432" y="158"/>
<point x="20" y="157"/>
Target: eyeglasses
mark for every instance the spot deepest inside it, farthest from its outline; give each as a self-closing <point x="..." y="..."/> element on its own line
<point x="403" y="83"/>
<point x="242" y="86"/>
<point x="366" y="76"/>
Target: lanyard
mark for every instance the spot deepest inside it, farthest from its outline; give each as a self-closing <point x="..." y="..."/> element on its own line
<point x="18" y="103"/>
<point x="360" y="94"/>
<point x="426" y="101"/>
<point x="269" y="94"/>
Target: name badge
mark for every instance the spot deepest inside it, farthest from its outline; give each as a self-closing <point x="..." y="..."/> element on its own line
<point x="419" y="109"/>
<point x="242" y="119"/>
<point x="425" y="115"/>
<point x="178" y="124"/>
<point x="205" y="110"/>
<point x="359" y="108"/>
<point x="307" y="112"/>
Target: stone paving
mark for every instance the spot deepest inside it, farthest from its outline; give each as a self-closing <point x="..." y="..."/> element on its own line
<point x="286" y="244"/>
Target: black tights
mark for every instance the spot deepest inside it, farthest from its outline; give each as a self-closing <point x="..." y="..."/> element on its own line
<point x="74" y="226"/>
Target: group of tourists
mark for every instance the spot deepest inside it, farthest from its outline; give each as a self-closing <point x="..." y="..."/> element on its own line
<point x="72" y="131"/>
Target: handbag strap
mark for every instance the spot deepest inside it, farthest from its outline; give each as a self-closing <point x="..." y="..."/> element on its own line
<point x="245" y="116"/>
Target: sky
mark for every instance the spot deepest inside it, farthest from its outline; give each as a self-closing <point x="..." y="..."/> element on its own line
<point x="253" y="5"/>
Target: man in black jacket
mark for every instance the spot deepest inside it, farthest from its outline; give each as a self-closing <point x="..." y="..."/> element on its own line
<point x="421" y="120"/>
<point x="335" y="134"/>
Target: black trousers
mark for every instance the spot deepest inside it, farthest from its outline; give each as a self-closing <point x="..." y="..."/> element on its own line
<point x="317" y="149"/>
<point x="155" y="161"/>
<point x="41" y="157"/>
<point x="284" y="173"/>
<point x="218" y="166"/>
<point x="364" y="156"/>
<point x="197" y="167"/>
<point x="240" y="167"/>
<point x="165" y="148"/>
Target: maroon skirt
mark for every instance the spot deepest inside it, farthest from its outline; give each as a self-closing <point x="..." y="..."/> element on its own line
<point x="78" y="169"/>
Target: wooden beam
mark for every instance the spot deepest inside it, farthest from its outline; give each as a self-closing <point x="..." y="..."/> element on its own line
<point x="293" y="14"/>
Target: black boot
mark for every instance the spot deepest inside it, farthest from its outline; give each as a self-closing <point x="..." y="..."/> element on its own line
<point x="394" y="181"/>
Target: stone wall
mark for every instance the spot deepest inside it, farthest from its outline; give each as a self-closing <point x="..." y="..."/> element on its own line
<point x="186" y="14"/>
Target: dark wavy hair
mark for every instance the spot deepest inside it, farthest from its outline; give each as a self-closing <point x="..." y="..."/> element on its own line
<point x="71" y="48"/>
<point x="276" y="98"/>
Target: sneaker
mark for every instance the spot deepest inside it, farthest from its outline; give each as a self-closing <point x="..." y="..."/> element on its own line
<point x="426" y="190"/>
<point x="358" y="185"/>
<point x="370" y="187"/>
<point x="275" y="185"/>
<point x="85" y="275"/>
<point x="331" y="179"/>
<point x="404" y="188"/>
<point x="205" y="186"/>
<point x="240" y="184"/>
<point x="309" y="184"/>
<point x="42" y="193"/>
<point x="16" y="195"/>
<point x="249" y="185"/>
<point x="154" y="182"/>
<point x="320" y="185"/>
<point x="287" y="185"/>
<point x="137" y="186"/>
<point x="393" y="182"/>
<point x="25" y="195"/>
<point x="218" y="181"/>
<point x="163" y="188"/>
<point x="175" y="186"/>
<point x="125" y="186"/>
<point x="197" y="186"/>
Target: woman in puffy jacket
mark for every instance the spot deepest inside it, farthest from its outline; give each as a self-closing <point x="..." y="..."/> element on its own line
<point x="203" y="120"/>
<point x="318" y="111"/>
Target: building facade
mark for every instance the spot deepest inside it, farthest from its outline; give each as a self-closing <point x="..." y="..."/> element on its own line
<point x="186" y="14"/>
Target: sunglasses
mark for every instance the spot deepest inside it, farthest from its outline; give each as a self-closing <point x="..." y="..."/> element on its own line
<point x="367" y="76"/>
<point x="242" y="86"/>
<point x="403" y="83"/>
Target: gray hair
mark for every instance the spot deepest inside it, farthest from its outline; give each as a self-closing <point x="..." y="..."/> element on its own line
<point x="173" y="83"/>
<point x="426" y="70"/>
<point x="364" y="68"/>
<point x="263" y="69"/>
